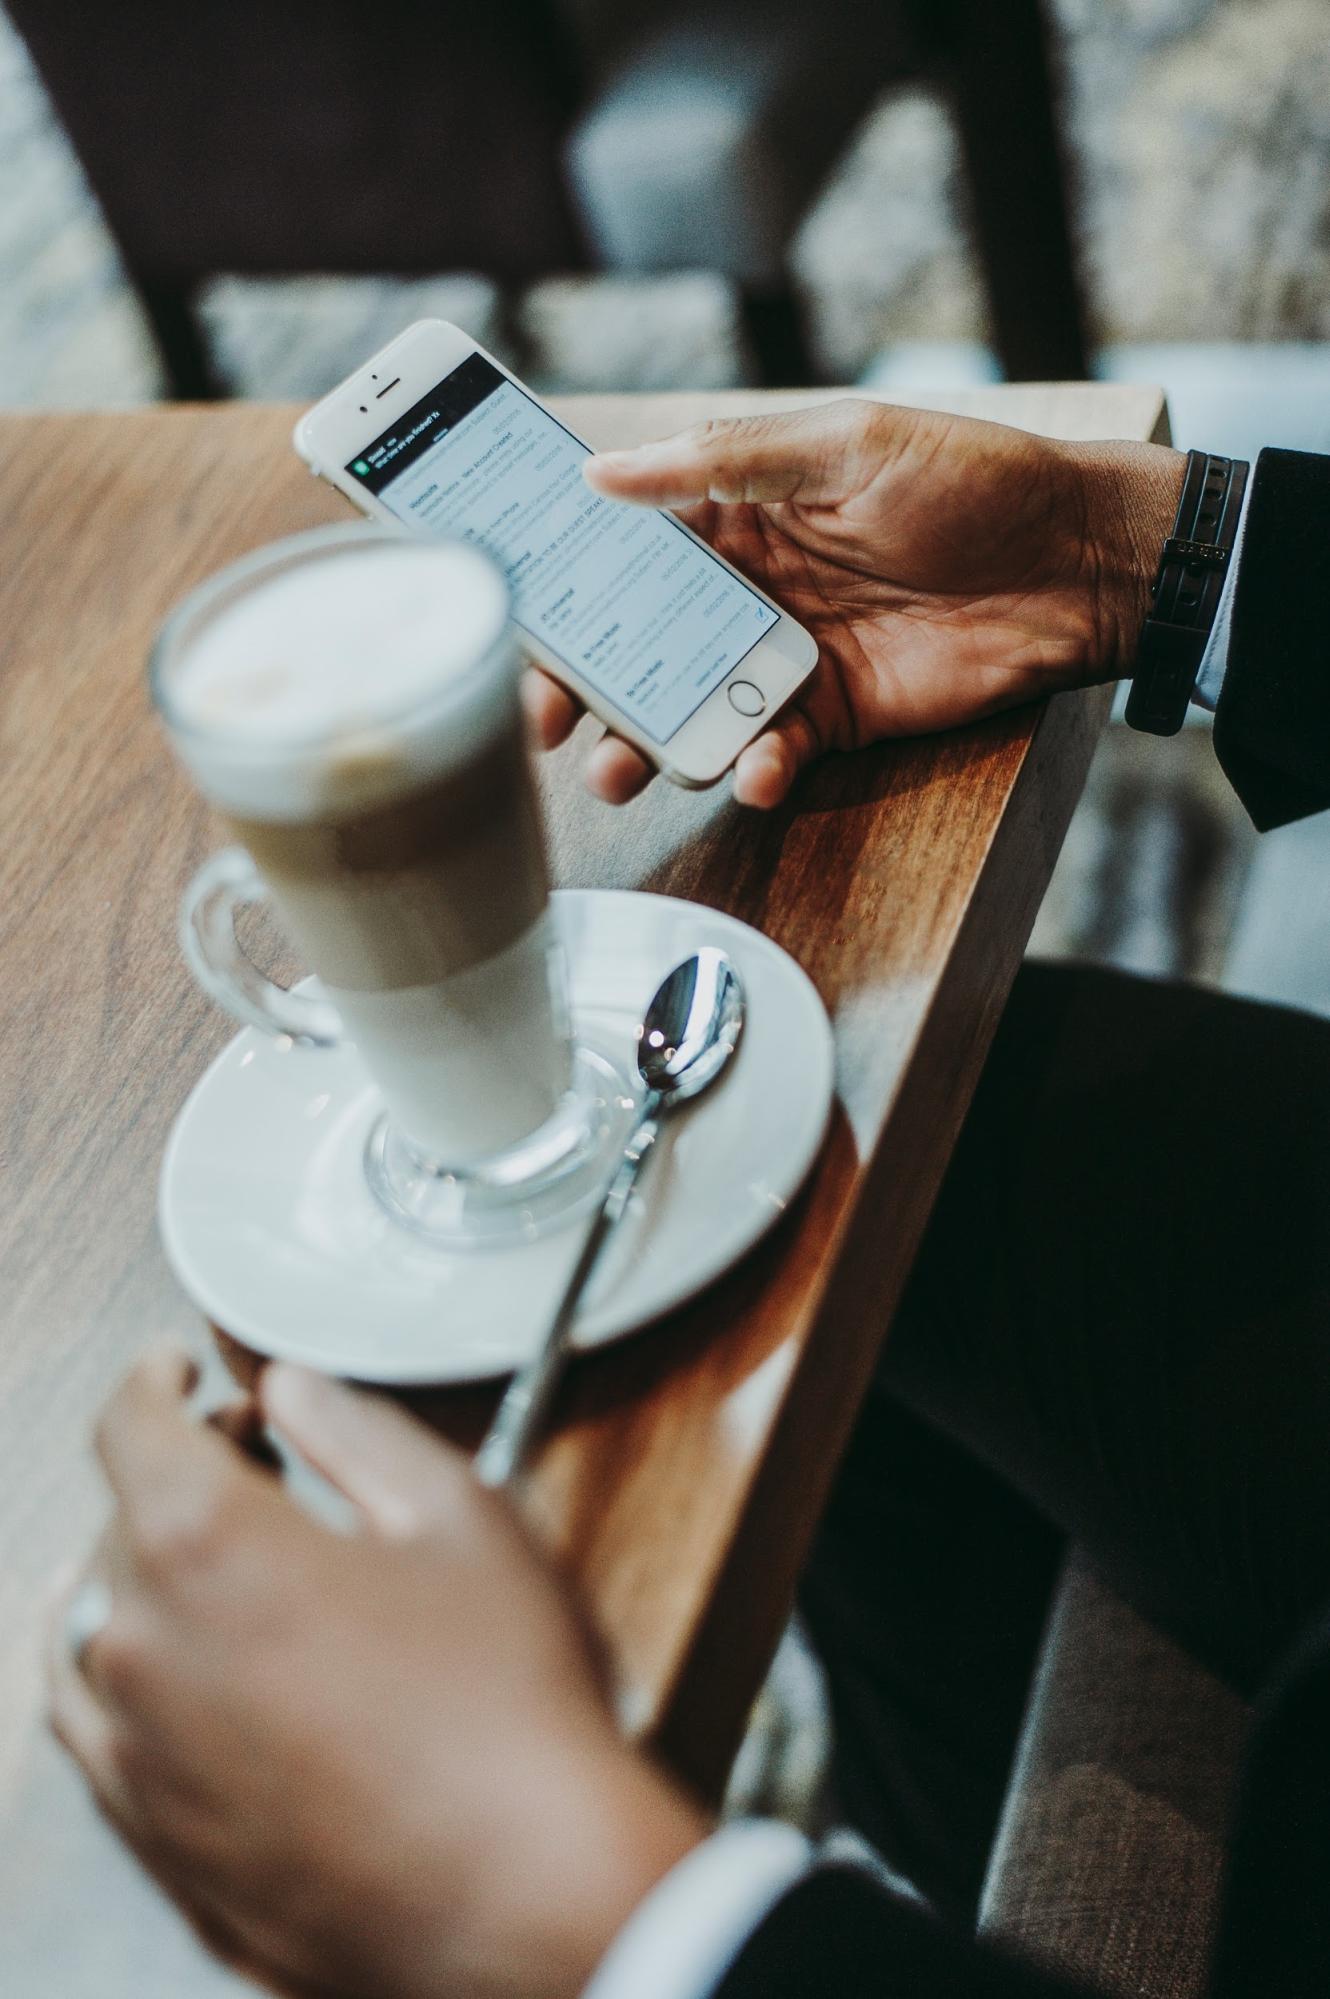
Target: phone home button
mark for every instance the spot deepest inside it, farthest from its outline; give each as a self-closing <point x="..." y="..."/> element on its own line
<point x="746" y="698"/>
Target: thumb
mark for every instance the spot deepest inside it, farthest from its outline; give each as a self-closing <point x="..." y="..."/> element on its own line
<point x="803" y="455"/>
<point x="402" y="1477"/>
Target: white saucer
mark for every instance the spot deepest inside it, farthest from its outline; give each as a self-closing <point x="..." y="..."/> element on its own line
<point x="270" y="1226"/>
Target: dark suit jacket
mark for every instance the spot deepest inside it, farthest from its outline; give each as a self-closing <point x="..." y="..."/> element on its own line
<point x="1272" y="726"/>
<point x="837" y="1935"/>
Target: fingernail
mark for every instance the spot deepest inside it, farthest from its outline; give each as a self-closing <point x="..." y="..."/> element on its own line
<point x="634" y="459"/>
<point x="759" y="762"/>
<point x="766" y="755"/>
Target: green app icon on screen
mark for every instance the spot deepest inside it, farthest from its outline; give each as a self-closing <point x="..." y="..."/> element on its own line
<point x="361" y="467"/>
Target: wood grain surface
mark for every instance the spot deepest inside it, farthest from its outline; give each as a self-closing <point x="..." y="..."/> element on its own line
<point x="689" y="1464"/>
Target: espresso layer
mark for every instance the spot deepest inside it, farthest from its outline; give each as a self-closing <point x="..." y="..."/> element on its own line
<point x="448" y="874"/>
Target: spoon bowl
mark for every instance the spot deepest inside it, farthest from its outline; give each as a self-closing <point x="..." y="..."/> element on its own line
<point x="692" y="1027"/>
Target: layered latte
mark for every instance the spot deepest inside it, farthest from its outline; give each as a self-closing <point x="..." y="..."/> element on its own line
<point x="356" y="719"/>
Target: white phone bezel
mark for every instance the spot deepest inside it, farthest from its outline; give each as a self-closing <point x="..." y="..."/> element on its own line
<point x="337" y="428"/>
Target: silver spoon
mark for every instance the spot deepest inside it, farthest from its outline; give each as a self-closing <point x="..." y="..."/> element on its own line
<point x="691" y="1029"/>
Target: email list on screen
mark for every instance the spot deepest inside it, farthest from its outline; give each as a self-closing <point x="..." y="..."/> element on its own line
<point x="634" y="605"/>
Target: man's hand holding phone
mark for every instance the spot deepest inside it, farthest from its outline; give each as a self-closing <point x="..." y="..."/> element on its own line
<point x="947" y="568"/>
<point x="676" y="652"/>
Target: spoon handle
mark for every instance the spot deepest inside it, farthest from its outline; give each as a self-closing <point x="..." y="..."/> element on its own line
<point x="527" y="1398"/>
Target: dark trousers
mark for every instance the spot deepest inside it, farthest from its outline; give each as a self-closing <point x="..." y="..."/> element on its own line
<point x="1118" y="1331"/>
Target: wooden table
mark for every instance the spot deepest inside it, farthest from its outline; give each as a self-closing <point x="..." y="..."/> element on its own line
<point x="690" y="1464"/>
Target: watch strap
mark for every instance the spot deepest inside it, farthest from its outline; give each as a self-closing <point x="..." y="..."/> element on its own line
<point x="1188" y="585"/>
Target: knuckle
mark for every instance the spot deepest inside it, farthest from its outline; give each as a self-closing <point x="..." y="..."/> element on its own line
<point x="719" y="443"/>
<point x="144" y="1768"/>
<point x="857" y="423"/>
<point x="713" y="430"/>
<point x="139" y="1383"/>
<point x="717" y="435"/>
<point x="119" y="1660"/>
<point x="190" y="1534"/>
<point x="151" y="1373"/>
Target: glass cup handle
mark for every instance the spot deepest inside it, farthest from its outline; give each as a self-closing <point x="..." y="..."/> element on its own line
<point x="223" y="886"/>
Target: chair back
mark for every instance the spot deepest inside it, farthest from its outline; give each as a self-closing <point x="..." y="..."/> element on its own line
<point x="267" y="136"/>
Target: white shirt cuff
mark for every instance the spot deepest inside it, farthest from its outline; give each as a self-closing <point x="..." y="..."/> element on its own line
<point x="1214" y="660"/>
<point x="680" y="1941"/>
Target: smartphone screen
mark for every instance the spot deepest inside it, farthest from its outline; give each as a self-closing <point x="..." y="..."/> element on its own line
<point x="634" y="605"/>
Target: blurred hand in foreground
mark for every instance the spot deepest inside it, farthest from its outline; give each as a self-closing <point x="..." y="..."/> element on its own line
<point x="378" y="1763"/>
<point x="947" y="568"/>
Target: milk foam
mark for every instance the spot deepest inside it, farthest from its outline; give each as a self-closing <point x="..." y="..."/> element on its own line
<point x="345" y="680"/>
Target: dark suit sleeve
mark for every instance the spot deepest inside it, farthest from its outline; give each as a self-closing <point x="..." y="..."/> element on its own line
<point x="1274" y="1937"/>
<point x="1272" y="724"/>
<point x="839" y="1935"/>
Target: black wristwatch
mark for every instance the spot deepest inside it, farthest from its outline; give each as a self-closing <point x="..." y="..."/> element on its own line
<point x="1186" y="591"/>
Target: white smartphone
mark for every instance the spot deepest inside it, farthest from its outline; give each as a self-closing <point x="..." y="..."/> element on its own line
<point x="663" y="640"/>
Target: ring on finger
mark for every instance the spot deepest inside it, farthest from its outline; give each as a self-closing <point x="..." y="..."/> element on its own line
<point x="87" y="1615"/>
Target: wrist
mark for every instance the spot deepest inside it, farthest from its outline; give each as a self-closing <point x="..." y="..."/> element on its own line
<point x="1129" y="496"/>
<point x="612" y="1837"/>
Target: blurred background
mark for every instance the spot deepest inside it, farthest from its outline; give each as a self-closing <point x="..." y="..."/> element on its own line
<point x="234" y="198"/>
<point x="246" y="199"/>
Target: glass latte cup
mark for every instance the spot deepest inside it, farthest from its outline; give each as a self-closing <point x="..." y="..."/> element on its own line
<point x="348" y="701"/>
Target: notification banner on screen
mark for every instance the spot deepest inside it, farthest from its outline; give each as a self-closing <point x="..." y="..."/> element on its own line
<point x="634" y="605"/>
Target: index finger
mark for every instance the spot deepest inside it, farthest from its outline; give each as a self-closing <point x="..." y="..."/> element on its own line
<point x="761" y="460"/>
<point x="158" y="1460"/>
